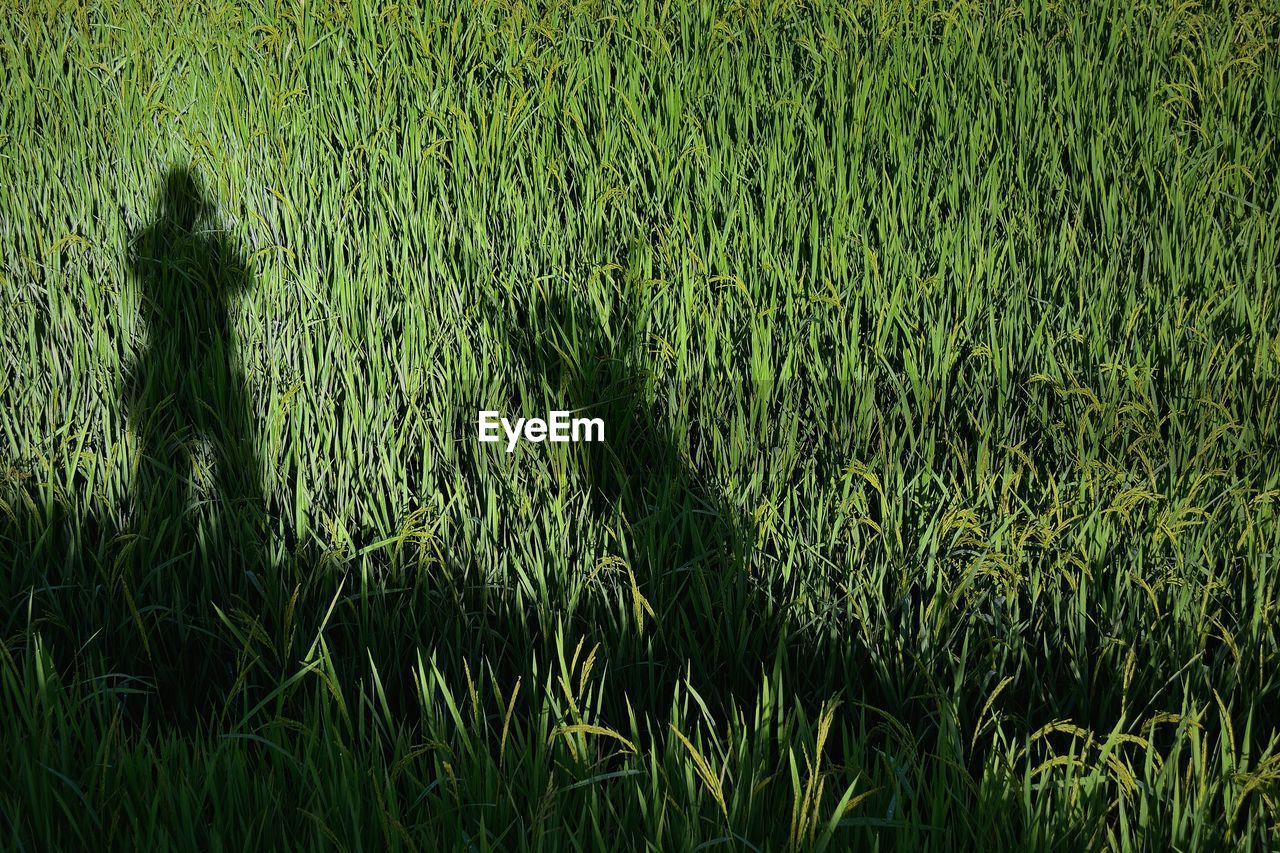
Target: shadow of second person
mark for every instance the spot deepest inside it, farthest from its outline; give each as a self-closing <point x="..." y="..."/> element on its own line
<point x="686" y="544"/>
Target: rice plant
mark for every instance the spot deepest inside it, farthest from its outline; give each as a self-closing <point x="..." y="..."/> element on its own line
<point x="936" y="346"/>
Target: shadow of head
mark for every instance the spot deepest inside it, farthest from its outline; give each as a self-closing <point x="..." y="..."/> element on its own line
<point x="584" y="355"/>
<point x="183" y="204"/>
<point x="184" y="259"/>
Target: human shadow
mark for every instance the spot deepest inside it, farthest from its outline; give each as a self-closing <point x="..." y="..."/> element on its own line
<point x="684" y="547"/>
<point x="197" y="514"/>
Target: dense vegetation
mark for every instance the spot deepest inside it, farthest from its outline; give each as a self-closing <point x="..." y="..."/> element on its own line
<point x="937" y="344"/>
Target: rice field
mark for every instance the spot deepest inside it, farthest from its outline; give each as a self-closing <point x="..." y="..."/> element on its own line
<point x="936" y="346"/>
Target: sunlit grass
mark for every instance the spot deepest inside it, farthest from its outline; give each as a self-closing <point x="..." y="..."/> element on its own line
<point x="944" y="338"/>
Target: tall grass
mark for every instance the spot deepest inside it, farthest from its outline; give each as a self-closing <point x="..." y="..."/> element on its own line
<point x="938" y="344"/>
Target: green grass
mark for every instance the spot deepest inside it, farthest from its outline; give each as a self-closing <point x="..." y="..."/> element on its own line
<point x="938" y="344"/>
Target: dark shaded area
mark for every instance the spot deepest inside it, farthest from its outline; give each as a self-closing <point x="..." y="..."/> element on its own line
<point x="183" y="621"/>
<point x="684" y="543"/>
<point x="188" y="385"/>
<point x="197" y="511"/>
